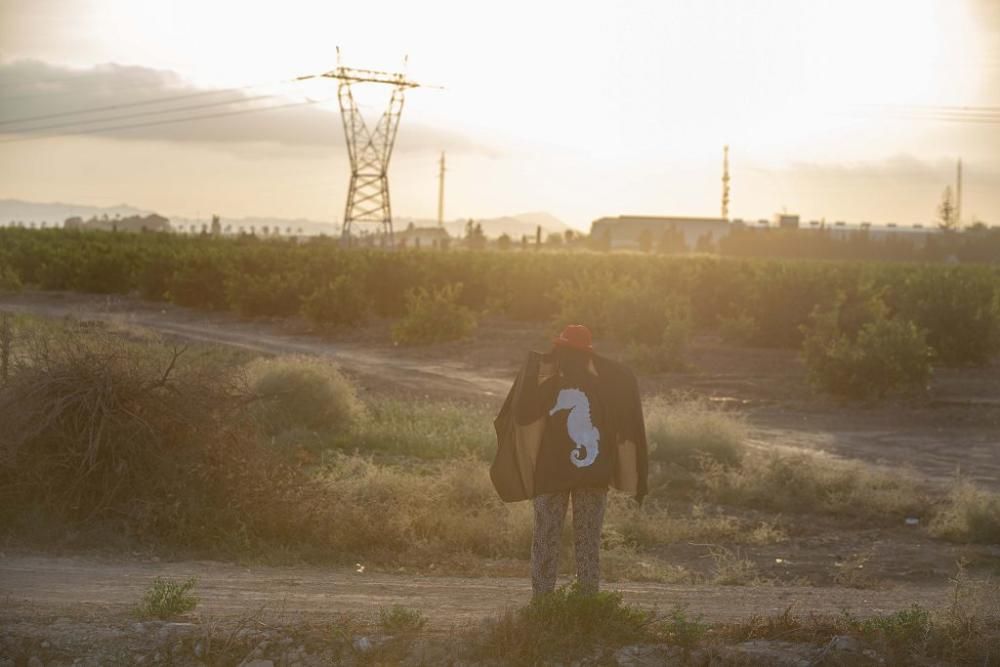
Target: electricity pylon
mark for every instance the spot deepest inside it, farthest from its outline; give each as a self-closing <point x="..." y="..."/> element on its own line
<point x="369" y="150"/>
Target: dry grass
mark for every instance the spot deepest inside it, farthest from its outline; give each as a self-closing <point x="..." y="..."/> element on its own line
<point x="812" y="483"/>
<point x="685" y="431"/>
<point x="970" y="515"/>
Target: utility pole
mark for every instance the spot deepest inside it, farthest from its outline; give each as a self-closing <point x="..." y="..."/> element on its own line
<point x="958" y="196"/>
<point x="725" y="182"/>
<point x="441" y="193"/>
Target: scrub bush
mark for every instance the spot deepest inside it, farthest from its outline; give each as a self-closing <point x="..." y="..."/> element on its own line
<point x="300" y="392"/>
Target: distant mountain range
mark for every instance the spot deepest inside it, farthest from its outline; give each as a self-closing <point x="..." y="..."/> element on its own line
<point x="54" y="214"/>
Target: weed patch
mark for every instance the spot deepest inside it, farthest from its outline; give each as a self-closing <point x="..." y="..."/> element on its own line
<point x="400" y="620"/>
<point x="166" y="598"/>
<point x="566" y="625"/>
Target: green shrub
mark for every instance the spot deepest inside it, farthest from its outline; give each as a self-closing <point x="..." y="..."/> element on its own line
<point x="958" y="307"/>
<point x="434" y="316"/>
<point x="339" y="303"/>
<point x="302" y="393"/>
<point x="166" y="598"/>
<point x="687" y="431"/>
<point x="264" y="295"/>
<point x="199" y="281"/>
<point x="667" y="354"/>
<point x="10" y="281"/>
<point x="860" y="352"/>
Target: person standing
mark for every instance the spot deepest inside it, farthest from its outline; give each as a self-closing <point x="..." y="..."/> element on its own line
<point x="571" y="427"/>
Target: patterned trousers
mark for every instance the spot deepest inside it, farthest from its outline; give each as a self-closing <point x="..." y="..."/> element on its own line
<point x="588" y="517"/>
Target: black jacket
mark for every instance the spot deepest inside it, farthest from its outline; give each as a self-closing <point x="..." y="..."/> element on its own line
<point x="513" y="469"/>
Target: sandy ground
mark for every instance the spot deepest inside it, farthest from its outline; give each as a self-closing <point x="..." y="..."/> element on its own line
<point x="49" y="585"/>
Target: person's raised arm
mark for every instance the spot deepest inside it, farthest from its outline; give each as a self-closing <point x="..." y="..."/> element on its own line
<point x="535" y="398"/>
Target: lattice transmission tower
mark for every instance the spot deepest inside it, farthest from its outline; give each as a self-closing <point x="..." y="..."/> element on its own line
<point x="369" y="149"/>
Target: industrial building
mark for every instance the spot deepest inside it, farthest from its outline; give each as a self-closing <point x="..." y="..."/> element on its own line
<point x="630" y="231"/>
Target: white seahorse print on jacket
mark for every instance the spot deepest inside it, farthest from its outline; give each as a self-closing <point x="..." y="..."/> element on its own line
<point x="581" y="430"/>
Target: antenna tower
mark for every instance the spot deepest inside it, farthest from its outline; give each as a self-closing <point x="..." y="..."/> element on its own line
<point x="441" y="193"/>
<point x="369" y="149"/>
<point x="725" y="182"/>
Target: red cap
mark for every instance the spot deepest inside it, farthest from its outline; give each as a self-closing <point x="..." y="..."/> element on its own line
<point x="576" y="336"/>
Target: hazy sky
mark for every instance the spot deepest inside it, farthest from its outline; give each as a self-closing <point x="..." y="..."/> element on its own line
<point x="843" y="109"/>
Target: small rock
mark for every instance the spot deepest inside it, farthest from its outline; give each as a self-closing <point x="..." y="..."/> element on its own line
<point x="138" y="628"/>
<point x="46" y="644"/>
<point x="362" y="644"/>
<point x="35" y="661"/>
<point x="199" y="649"/>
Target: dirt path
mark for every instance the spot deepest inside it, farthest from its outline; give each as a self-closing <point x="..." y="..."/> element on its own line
<point x="43" y="584"/>
<point x="418" y="376"/>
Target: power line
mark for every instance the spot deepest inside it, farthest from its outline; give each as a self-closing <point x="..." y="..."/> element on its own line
<point x="126" y="105"/>
<point x="138" y="114"/>
<point x="169" y="121"/>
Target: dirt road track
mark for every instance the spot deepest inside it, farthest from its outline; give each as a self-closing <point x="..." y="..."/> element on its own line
<point x="420" y="376"/>
<point x="42" y="584"/>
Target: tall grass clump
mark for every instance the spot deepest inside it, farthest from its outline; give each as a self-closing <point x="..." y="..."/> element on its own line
<point x="971" y="514"/>
<point x="302" y="393"/>
<point x="566" y="625"/>
<point x="434" y="316"/>
<point x="687" y="431"/>
<point x="424" y="430"/>
<point x="166" y="598"/>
